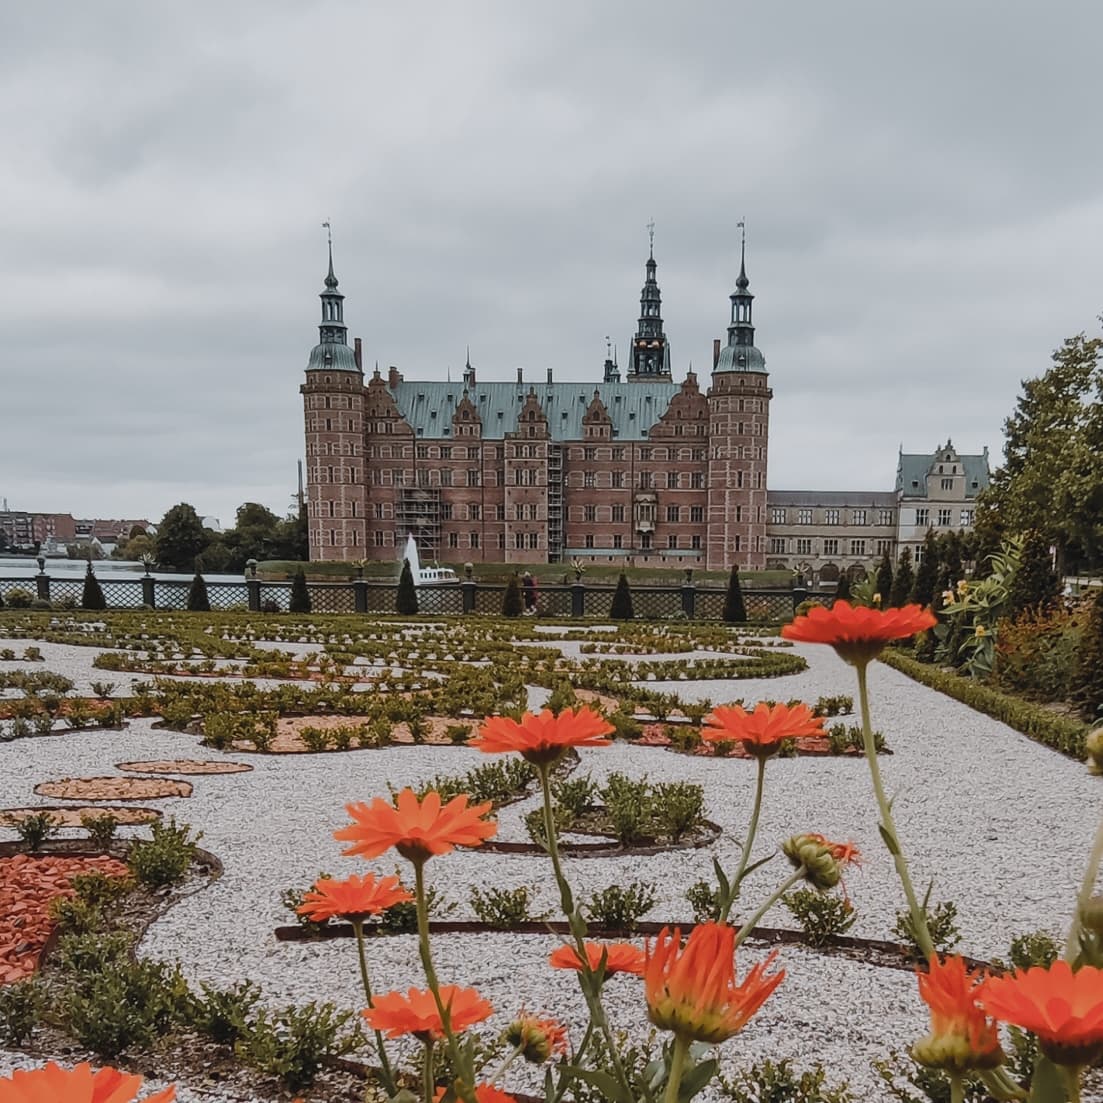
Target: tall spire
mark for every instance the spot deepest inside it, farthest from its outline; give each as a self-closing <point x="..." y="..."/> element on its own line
<point x="331" y="279"/>
<point x="332" y="350"/>
<point x="740" y="353"/>
<point x="650" y="348"/>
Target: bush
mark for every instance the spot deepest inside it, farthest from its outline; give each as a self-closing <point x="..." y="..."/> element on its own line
<point x="941" y="925"/>
<point x="735" y="611"/>
<point x="224" y="1014"/>
<point x="164" y="858"/>
<point x="292" y="1044"/>
<point x="19" y="598"/>
<point x="629" y="806"/>
<point x="406" y="597"/>
<point x="678" y="807"/>
<point x="821" y="916"/>
<point x="299" y="601"/>
<point x="622" y="600"/>
<point x="778" y="1082"/>
<point x="562" y="697"/>
<point x="315" y="739"/>
<point x="34" y="829"/>
<point x="1038" y="653"/>
<point x="1035" y="584"/>
<point x="883" y="583"/>
<point x="513" y="604"/>
<point x="503" y="909"/>
<point x="1088" y="682"/>
<point x="21" y="1009"/>
<point x="92" y="595"/>
<point x="198" y="601"/>
<point x="704" y="898"/>
<point x="621" y="909"/>
<point x="903" y="582"/>
<point x="574" y="795"/>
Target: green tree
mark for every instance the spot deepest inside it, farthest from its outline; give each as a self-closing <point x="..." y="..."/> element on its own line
<point x="300" y="593"/>
<point x="884" y="581"/>
<point x="926" y="574"/>
<point x="903" y="581"/>
<point x="1089" y="670"/>
<point x="134" y="547"/>
<point x="622" y="600"/>
<point x="1035" y="583"/>
<point x="198" y="600"/>
<point x="950" y="568"/>
<point x="842" y="587"/>
<point x="735" y="612"/>
<point x="92" y="595"/>
<point x="1052" y="478"/>
<point x="289" y="541"/>
<point x="406" y="598"/>
<point x="180" y="538"/>
<point x="513" y="603"/>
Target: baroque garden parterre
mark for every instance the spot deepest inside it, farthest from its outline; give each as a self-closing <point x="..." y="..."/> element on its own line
<point x="173" y="689"/>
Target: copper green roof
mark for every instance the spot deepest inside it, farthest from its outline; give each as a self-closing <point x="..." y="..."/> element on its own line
<point x="912" y="471"/>
<point x="633" y="407"/>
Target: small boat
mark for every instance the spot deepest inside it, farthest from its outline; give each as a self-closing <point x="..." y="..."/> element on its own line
<point x="428" y="576"/>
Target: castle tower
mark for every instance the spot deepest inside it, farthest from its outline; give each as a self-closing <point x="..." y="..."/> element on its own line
<point x="739" y="416"/>
<point x="650" y="361"/>
<point x="333" y="410"/>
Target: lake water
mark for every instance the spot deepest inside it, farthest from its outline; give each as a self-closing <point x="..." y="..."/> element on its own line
<point x="109" y="570"/>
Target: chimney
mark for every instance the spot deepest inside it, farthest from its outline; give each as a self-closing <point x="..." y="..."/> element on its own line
<point x="715" y="353"/>
<point x="549" y="375"/>
<point x="357" y="352"/>
<point x="394" y="376"/>
<point x="520" y="375"/>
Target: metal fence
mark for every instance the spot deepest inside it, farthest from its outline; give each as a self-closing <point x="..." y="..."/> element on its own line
<point x="578" y="600"/>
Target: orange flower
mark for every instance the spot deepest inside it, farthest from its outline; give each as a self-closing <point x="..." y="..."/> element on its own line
<point x="1064" y="1009"/>
<point x="542" y="739"/>
<point x="416" y="1012"/>
<point x="620" y="957"/>
<point x="537" y="1039"/>
<point x="858" y="633"/>
<point x="353" y="898"/>
<point x="484" y="1093"/>
<point x="961" y="1038"/>
<point x="761" y="731"/>
<point x="53" y="1084"/>
<point x="692" y="991"/>
<point x="416" y="829"/>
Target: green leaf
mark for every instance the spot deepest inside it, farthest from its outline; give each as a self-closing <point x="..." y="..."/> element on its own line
<point x="889" y="840"/>
<point x="604" y="1083"/>
<point x="721" y="878"/>
<point x="696" y="1078"/>
<point x="1047" y="1084"/>
<point x="754" y="865"/>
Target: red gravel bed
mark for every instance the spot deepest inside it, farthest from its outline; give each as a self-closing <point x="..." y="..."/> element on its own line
<point x="184" y="766"/>
<point x="114" y="788"/>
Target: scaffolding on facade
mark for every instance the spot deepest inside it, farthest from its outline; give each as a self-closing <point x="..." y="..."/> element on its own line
<point x="555" y="503"/>
<point x="418" y="514"/>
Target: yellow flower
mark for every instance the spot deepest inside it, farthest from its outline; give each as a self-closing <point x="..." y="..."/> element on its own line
<point x="981" y="630"/>
<point x="963" y="586"/>
<point x="948" y="596"/>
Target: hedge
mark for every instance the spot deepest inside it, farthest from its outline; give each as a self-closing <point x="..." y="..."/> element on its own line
<point x="1034" y="721"/>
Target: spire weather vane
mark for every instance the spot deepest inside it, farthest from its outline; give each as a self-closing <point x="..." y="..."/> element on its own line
<point x="651" y="237"/>
<point x="328" y="230"/>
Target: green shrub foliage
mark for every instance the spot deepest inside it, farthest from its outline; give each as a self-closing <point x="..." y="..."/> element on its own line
<point x="903" y="581"/>
<point x="300" y="593"/>
<point x="735" y="612"/>
<point x="884" y="580"/>
<point x="1035" y="583"/>
<point x="842" y="590"/>
<point x="926" y="574"/>
<point x="622" y="600"/>
<point x="92" y="595"/>
<point x="513" y="604"/>
<point x="1089" y="668"/>
<point x="198" y="601"/>
<point x="406" y="598"/>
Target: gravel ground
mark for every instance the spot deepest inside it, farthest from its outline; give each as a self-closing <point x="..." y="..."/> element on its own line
<point x="967" y="804"/>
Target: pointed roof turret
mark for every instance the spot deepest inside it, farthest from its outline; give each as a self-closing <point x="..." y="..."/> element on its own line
<point x="332" y="351"/>
<point x="741" y="353"/>
<point x="650" y="348"/>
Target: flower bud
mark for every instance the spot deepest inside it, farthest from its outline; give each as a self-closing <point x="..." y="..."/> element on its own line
<point x="536" y="1039"/>
<point x="1091" y="915"/>
<point x="1093" y="744"/>
<point x="816" y="855"/>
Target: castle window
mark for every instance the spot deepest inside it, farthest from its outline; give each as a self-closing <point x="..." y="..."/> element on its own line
<point x="857" y="547"/>
<point x="922" y="517"/>
<point x="777" y="516"/>
<point x="672" y="513"/>
<point x="804" y="516"/>
<point x="672" y="541"/>
<point x="697" y="480"/>
<point x="857" y="516"/>
<point x="696" y="514"/>
<point x="618" y="514"/>
<point x="945" y="517"/>
<point x="473" y="539"/>
<point x="947" y="484"/>
<point x="830" y="516"/>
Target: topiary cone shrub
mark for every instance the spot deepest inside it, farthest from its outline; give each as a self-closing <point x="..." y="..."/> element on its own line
<point x="300" y="593"/>
<point x="406" y="598"/>
<point x="198" y="601"/>
<point x="512" y="602"/>
<point x="902" y="583"/>
<point x="622" y="600"/>
<point x="735" y="612"/>
<point x="92" y="595"/>
<point x="1035" y="584"/>
<point x="884" y="581"/>
<point x="1089" y="671"/>
<point x="842" y="587"/>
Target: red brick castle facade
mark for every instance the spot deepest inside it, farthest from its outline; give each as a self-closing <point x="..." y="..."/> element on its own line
<point x="635" y="470"/>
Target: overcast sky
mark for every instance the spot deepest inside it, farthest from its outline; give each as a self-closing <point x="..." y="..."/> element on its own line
<point x="923" y="190"/>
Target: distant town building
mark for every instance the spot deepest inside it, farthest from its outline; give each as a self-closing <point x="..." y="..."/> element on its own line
<point x="55" y="533"/>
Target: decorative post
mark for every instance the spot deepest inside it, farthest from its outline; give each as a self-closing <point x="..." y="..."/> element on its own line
<point x="252" y="586"/>
<point x="800" y="593"/>
<point x="689" y="595"/>
<point x="578" y="591"/>
<point x="467" y="588"/>
<point x="42" y="579"/>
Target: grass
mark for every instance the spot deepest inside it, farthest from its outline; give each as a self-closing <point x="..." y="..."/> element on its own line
<point x="548" y="573"/>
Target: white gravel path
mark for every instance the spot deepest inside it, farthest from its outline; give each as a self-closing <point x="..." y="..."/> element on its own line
<point x="1001" y="823"/>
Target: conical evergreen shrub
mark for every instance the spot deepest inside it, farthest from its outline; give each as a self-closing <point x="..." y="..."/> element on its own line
<point x="406" y="598"/>
<point x="513" y="603"/>
<point x="903" y="581"/>
<point x="842" y="587"/>
<point x="884" y="581"/>
<point x="622" y="600"/>
<point x="1089" y="670"/>
<point x="735" y="612"/>
<point x="300" y="593"/>
<point x="926" y="574"/>
<point x="198" y="601"/>
<point x="1035" y="584"/>
<point x="92" y="595"/>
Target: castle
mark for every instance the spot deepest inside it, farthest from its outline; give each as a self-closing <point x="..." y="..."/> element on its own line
<point x="638" y="469"/>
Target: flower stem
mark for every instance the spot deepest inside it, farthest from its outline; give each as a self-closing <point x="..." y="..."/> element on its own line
<point x="590" y="990"/>
<point x="427" y="1085"/>
<point x="745" y="857"/>
<point x="1072" y="947"/>
<point x="677" y="1067"/>
<point x="957" y="1088"/>
<point x="1073" y="1074"/>
<point x="385" y="1065"/>
<point x="888" y="825"/>
<point x="746" y="928"/>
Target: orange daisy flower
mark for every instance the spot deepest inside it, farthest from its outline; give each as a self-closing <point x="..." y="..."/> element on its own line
<point x="761" y="731"/>
<point x="1064" y="1009"/>
<point x="354" y="898"/>
<point x="543" y="738"/>
<point x="692" y="990"/>
<point x="856" y="632"/>
<point x="53" y="1084"/>
<point x="416" y="1012"/>
<point x="620" y="957"/>
<point x="416" y="829"/>
<point x="484" y="1093"/>
<point x="962" y="1038"/>
<point x="537" y="1039"/>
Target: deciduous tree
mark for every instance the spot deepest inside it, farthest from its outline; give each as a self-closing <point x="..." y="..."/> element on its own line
<point x="180" y="538"/>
